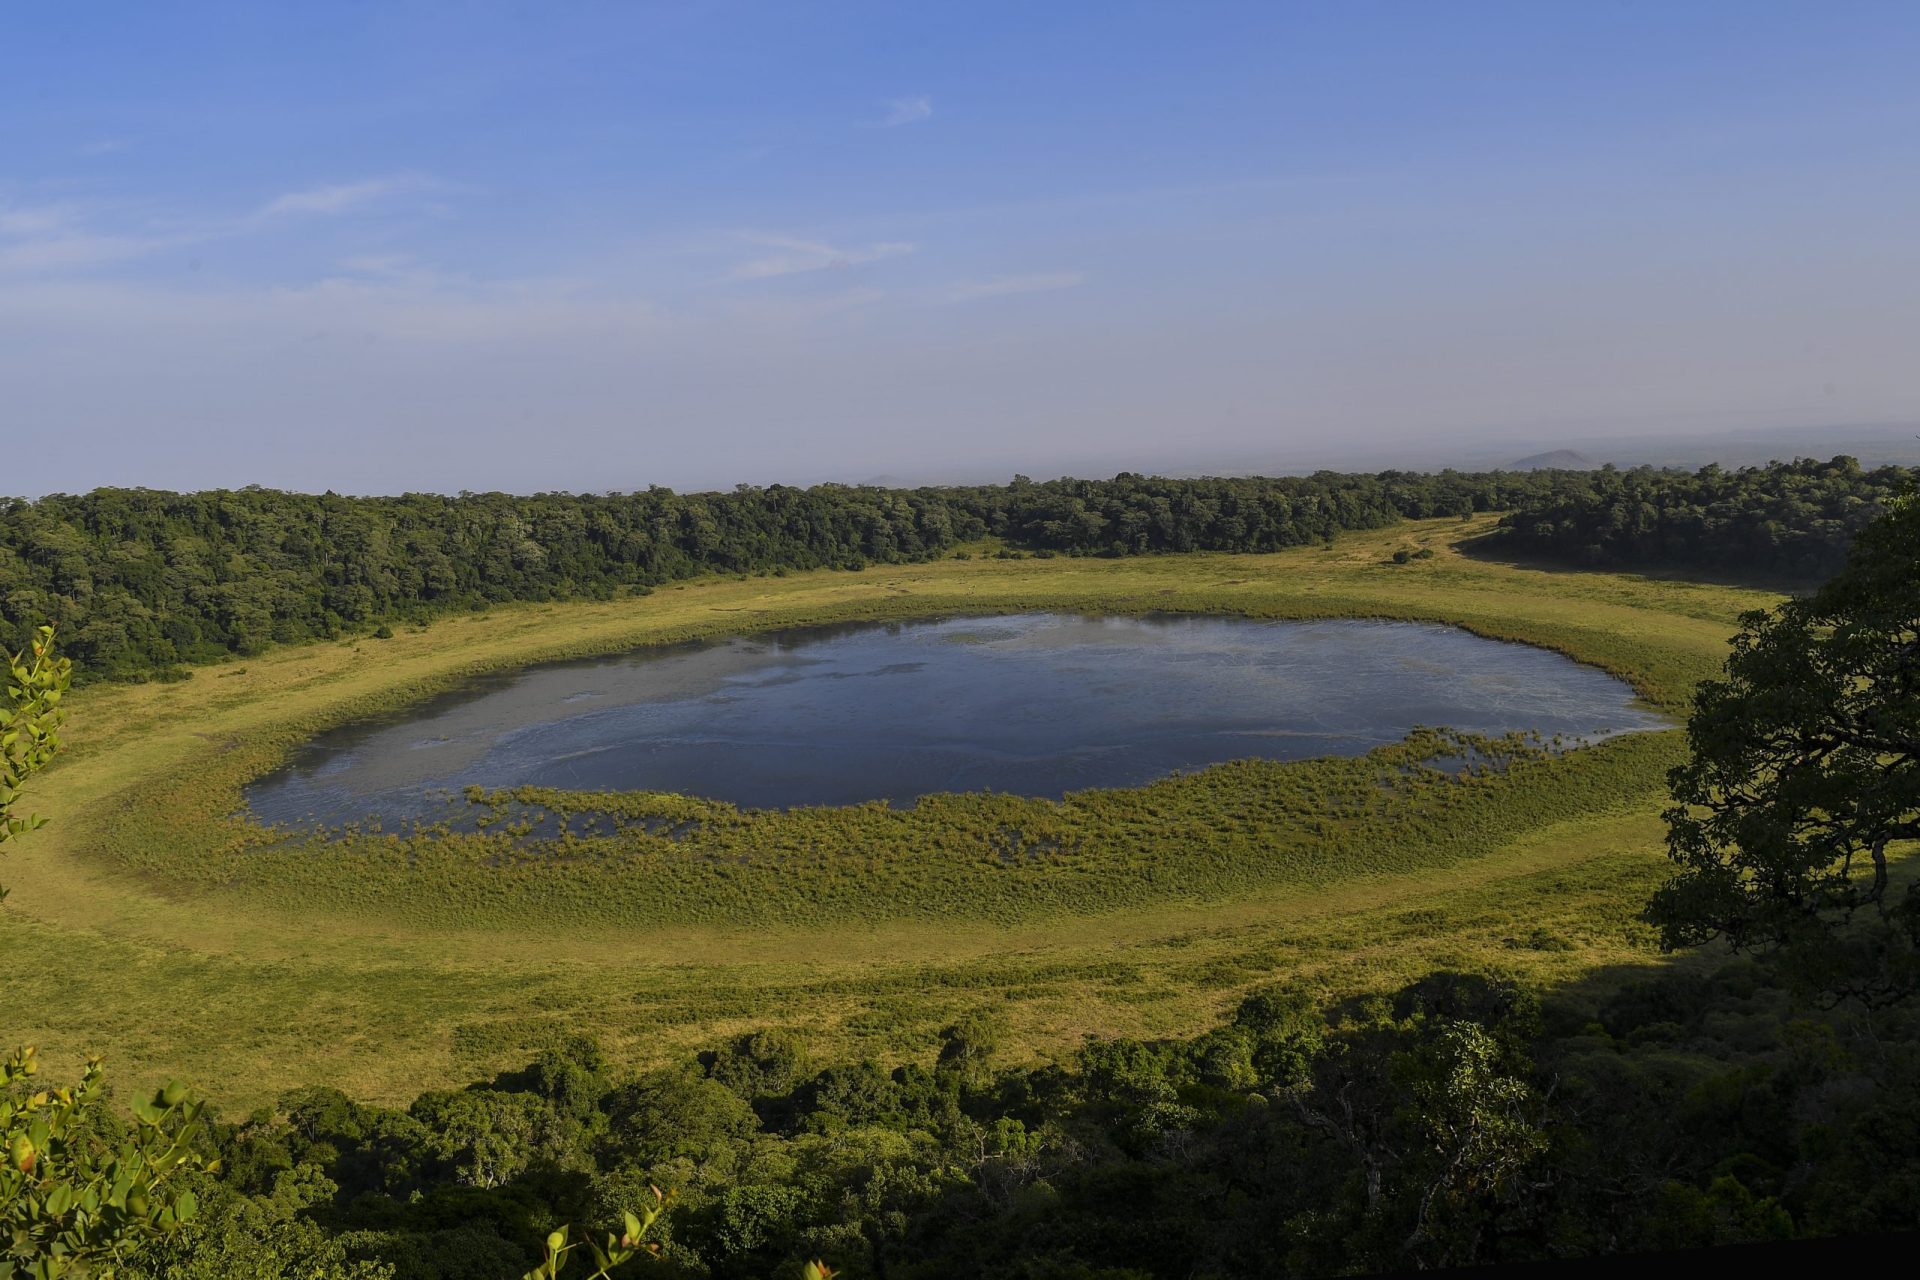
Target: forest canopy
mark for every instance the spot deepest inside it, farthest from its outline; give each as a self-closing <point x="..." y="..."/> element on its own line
<point x="142" y="581"/>
<point x="1459" y="1120"/>
<point x="1791" y="520"/>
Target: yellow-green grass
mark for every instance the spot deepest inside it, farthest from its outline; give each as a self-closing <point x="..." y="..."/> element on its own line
<point x="146" y="924"/>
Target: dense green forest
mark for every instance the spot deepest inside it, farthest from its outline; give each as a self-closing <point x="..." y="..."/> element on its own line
<point x="1792" y="520"/>
<point x="140" y="581"/>
<point x="1460" y="1120"/>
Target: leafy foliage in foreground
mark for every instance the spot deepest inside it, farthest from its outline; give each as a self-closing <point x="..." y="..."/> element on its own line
<point x="81" y="1191"/>
<point x="30" y="717"/>
<point x="1459" y="1120"/>
<point x="620" y="1248"/>
<point x="1792" y="520"/>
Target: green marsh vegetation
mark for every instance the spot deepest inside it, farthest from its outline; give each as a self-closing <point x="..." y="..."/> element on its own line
<point x="1006" y="860"/>
<point x="379" y="962"/>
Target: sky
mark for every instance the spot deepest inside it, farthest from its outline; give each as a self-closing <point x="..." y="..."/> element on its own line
<point x="401" y="246"/>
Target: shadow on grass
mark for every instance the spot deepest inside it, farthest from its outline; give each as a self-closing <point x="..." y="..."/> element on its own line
<point x="1493" y="548"/>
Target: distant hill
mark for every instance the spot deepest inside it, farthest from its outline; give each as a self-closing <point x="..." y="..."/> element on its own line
<point x="1554" y="460"/>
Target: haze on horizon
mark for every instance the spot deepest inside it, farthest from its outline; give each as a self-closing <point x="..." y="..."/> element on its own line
<point x="380" y="247"/>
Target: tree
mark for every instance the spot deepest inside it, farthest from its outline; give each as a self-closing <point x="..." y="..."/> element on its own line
<point x="80" y="1194"/>
<point x="263" y="1237"/>
<point x="29" y="727"/>
<point x="1804" y="780"/>
<point x="1479" y="1129"/>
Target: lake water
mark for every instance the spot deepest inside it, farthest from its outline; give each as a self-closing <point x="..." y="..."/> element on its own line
<point x="1031" y="704"/>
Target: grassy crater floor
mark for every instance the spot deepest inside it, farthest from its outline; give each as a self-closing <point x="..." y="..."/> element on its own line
<point x="148" y="923"/>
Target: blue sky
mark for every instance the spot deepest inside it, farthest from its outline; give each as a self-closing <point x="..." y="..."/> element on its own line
<point x="377" y="247"/>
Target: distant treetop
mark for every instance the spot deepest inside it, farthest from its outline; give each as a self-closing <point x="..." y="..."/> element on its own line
<point x="141" y="581"/>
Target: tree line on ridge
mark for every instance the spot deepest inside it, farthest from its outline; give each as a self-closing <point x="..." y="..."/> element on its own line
<point x="143" y="582"/>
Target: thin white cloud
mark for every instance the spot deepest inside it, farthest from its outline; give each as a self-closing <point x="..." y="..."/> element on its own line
<point x="38" y="220"/>
<point x="789" y="310"/>
<point x="442" y="311"/>
<point x="72" y="249"/>
<point x="450" y="311"/>
<point x="907" y="111"/>
<point x="338" y="198"/>
<point x="796" y="255"/>
<point x="379" y="264"/>
<point x="1002" y="286"/>
<point x="57" y="237"/>
<point x="52" y="238"/>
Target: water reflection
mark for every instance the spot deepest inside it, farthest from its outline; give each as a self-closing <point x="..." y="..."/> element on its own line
<point x="1032" y="704"/>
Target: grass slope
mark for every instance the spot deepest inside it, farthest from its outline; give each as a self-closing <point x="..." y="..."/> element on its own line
<point x="147" y="924"/>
